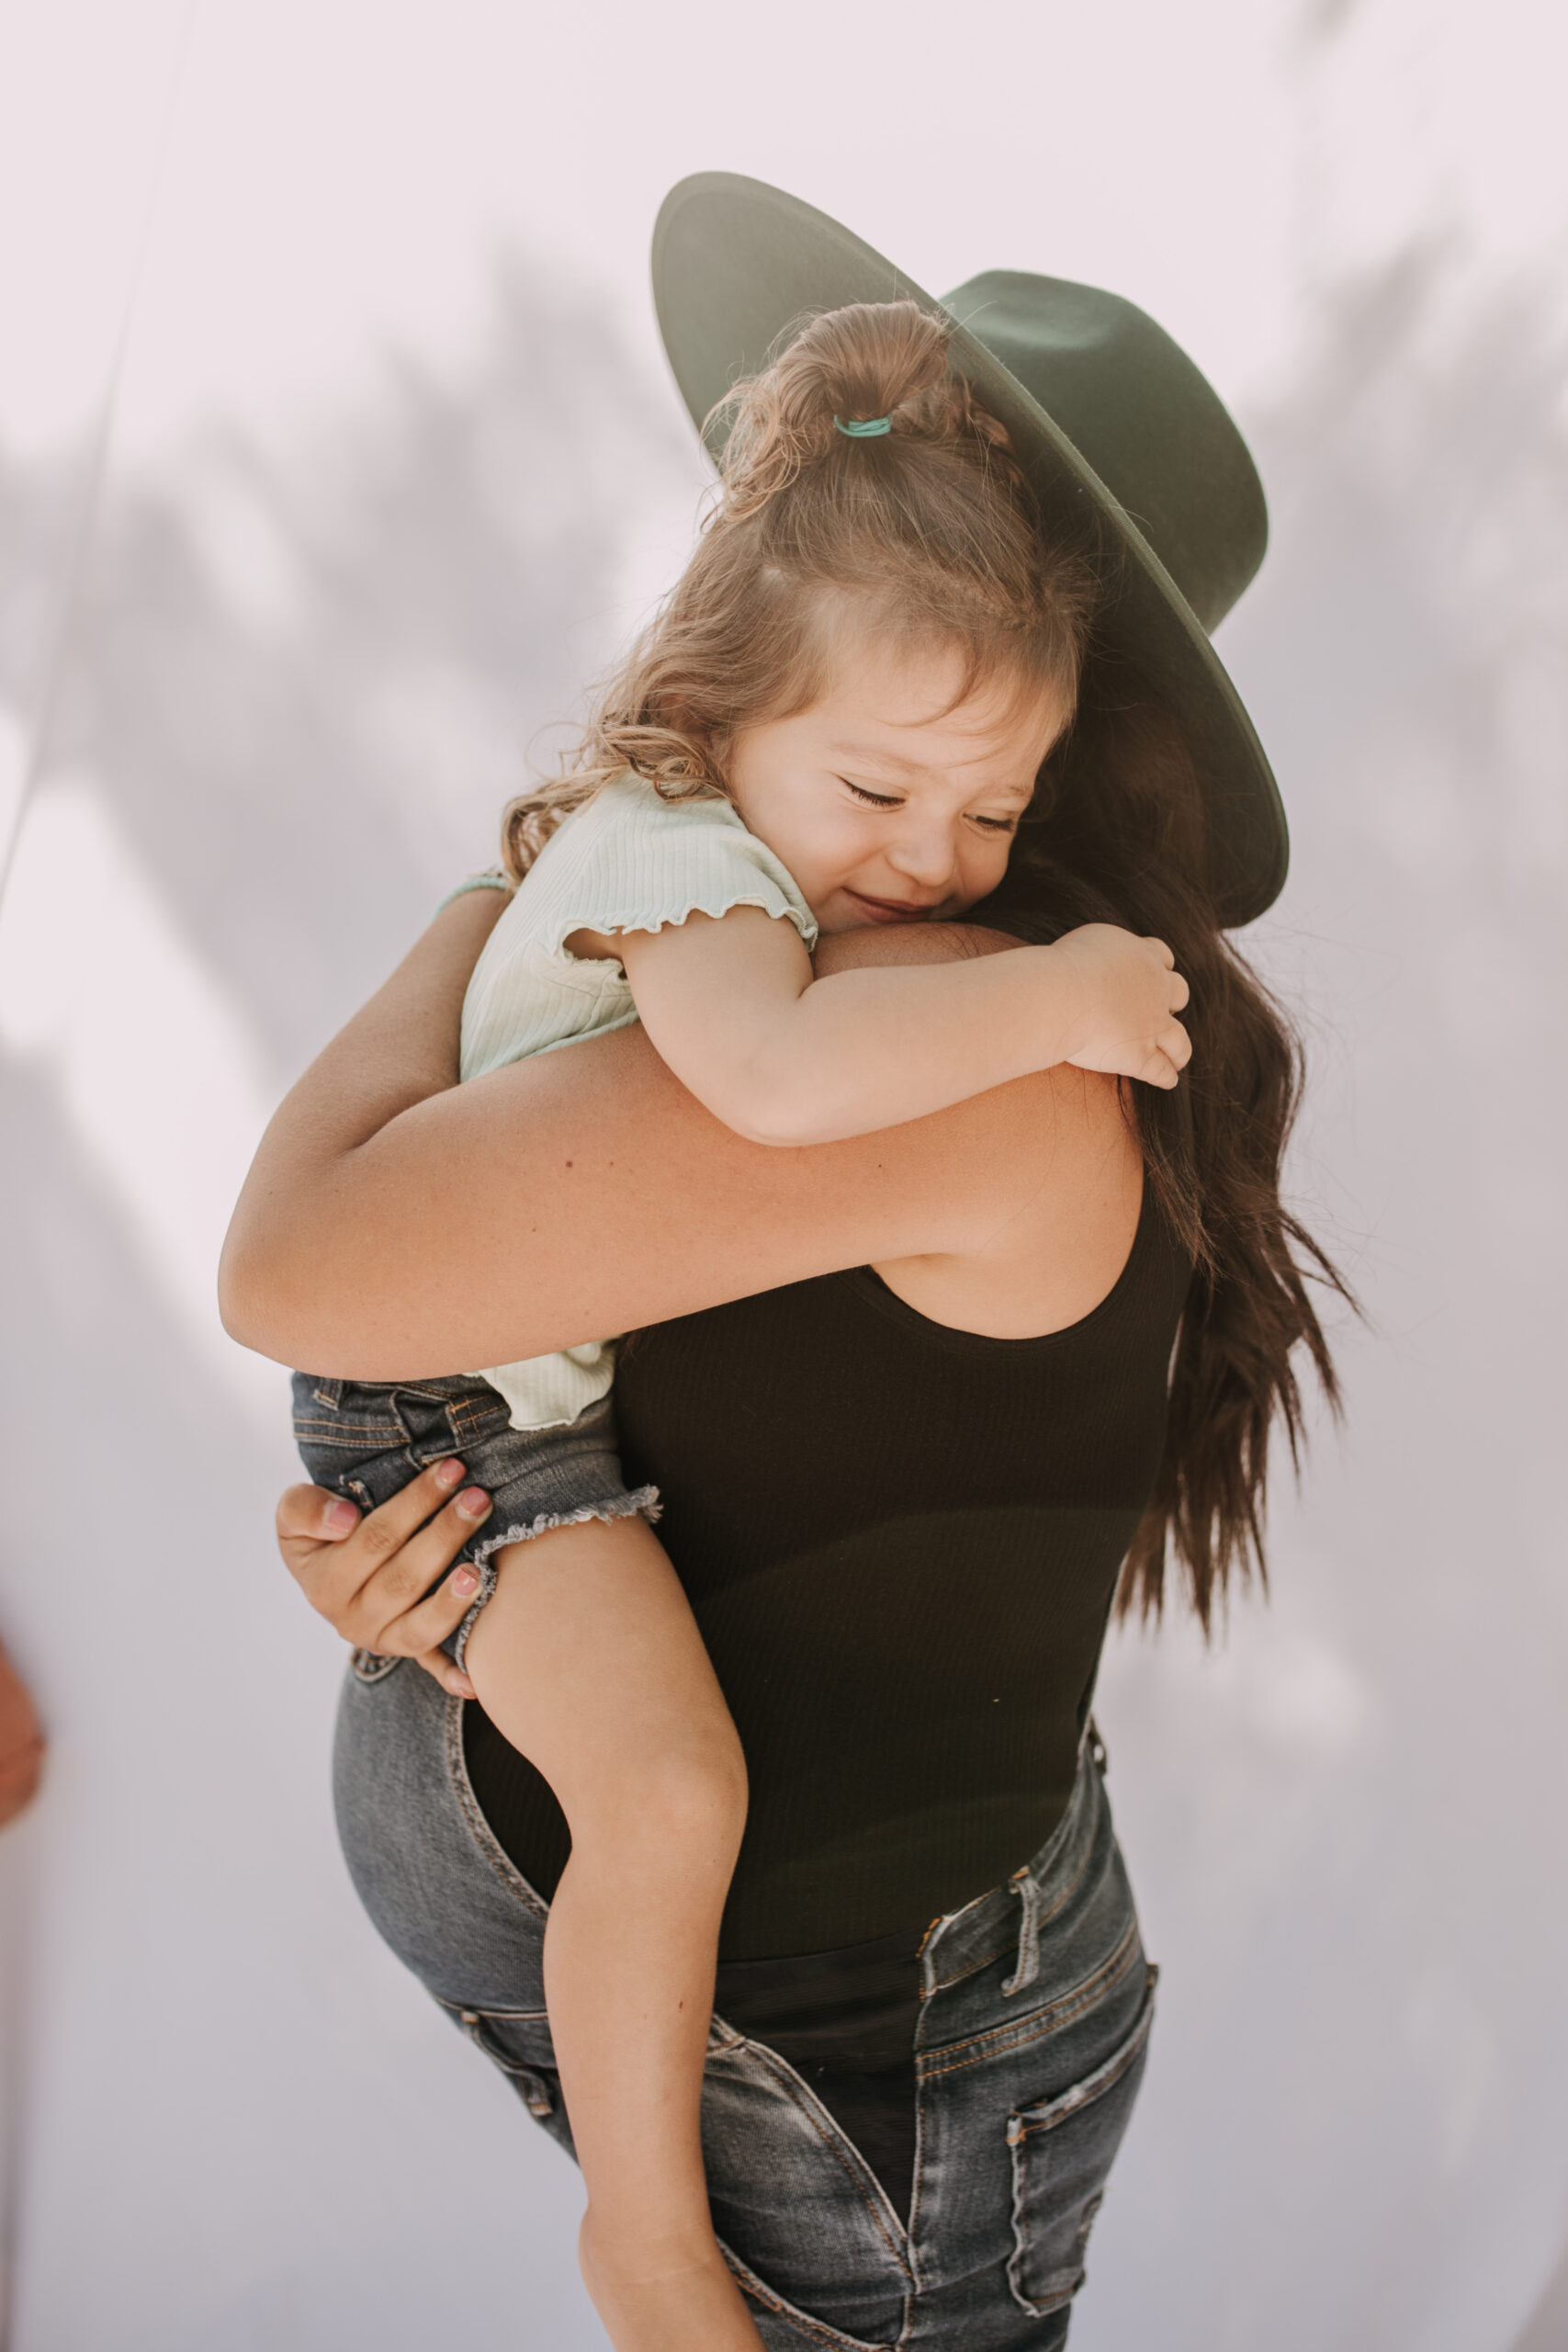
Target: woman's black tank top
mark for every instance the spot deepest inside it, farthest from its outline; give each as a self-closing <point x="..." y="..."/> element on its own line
<point x="900" y="1542"/>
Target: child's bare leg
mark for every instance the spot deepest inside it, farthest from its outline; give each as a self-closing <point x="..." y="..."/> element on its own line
<point x="588" y="1660"/>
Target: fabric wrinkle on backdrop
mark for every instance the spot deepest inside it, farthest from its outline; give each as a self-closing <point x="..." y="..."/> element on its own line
<point x="301" y="669"/>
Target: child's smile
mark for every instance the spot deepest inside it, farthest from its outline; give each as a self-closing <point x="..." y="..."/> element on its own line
<point x="888" y="799"/>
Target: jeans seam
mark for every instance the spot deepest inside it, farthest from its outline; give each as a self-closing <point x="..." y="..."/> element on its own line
<point x="1137" y="2041"/>
<point x="1045" y="1916"/>
<point x="1016" y="2036"/>
<point x="747" y="2279"/>
<point x="780" y="2067"/>
<point x="484" y="1837"/>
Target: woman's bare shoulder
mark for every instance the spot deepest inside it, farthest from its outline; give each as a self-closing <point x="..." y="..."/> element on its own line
<point x="1048" y="1223"/>
<point x="1044" y="1211"/>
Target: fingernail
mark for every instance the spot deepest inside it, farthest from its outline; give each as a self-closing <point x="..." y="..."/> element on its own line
<point x="465" y="1581"/>
<point x="447" y="1474"/>
<point x="474" y="1504"/>
<point x="341" y="1515"/>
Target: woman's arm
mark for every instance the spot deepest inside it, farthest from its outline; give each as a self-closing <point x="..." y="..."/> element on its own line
<point x="396" y="1224"/>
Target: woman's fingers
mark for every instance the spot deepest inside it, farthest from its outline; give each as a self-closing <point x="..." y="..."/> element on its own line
<point x="366" y="1580"/>
<point x="308" y="1516"/>
<point x="451" y="1678"/>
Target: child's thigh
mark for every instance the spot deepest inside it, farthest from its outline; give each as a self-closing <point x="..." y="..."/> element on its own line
<point x="590" y="1650"/>
<point x="369" y="1439"/>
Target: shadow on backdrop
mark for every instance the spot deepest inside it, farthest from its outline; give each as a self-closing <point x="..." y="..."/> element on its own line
<point x="298" y="693"/>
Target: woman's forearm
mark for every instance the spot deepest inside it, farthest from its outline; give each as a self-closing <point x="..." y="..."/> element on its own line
<point x="396" y="1224"/>
<point x="399" y="1049"/>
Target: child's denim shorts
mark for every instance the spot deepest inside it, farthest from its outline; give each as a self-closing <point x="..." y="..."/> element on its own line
<point x="367" y="1438"/>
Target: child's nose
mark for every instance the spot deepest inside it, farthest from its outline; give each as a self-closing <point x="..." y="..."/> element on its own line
<point x="924" y="855"/>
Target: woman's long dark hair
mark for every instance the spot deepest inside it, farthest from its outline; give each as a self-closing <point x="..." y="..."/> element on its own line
<point x="1119" y="833"/>
<point x="932" y="528"/>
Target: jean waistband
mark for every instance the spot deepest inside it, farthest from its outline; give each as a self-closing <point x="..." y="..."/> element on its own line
<point x="854" y="2007"/>
<point x="857" y="2008"/>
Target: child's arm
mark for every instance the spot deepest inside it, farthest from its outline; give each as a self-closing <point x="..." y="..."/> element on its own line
<point x="588" y="1659"/>
<point x="781" y="1058"/>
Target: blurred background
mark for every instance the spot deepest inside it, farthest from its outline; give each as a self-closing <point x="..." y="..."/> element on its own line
<point x="336" y="453"/>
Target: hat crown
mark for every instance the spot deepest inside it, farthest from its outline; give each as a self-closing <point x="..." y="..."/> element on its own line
<point x="1140" y="413"/>
<point x="1104" y="410"/>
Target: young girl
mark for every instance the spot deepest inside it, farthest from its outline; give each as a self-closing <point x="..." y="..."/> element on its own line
<point x="899" y="650"/>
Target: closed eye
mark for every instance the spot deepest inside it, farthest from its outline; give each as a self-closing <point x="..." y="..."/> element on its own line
<point x="996" y="824"/>
<point x="871" y="800"/>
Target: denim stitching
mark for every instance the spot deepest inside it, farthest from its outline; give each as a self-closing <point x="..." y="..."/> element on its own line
<point x="1048" y="1860"/>
<point x="342" y="1433"/>
<point x="501" y="1862"/>
<point x="1067" y="2105"/>
<point x="836" y="2139"/>
<point x="1105" y="2078"/>
<point x="1001" y="1952"/>
<point x="1029" y="1892"/>
<point x="466" y="1415"/>
<point x="1093" y="1988"/>
<point x="916" y="2180"/>
<point x="771" y="2300"/>
<point x="531" y="2085"/>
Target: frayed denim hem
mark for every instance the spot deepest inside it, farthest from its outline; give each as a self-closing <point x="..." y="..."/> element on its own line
<point x="643" y="1504"/>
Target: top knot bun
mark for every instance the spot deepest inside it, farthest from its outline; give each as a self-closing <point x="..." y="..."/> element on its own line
<point x="867" y="361"/>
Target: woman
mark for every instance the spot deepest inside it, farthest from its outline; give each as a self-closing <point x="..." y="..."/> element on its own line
<point x="906" y="1398"/>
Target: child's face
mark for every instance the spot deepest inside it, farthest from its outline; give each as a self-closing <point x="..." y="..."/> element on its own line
<point x="886" y="805"/>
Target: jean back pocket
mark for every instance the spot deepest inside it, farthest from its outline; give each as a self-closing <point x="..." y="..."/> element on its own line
<point x="1061" y="2152"/>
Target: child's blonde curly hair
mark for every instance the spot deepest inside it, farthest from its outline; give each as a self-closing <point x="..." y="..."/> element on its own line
<point x="930" y="529"/>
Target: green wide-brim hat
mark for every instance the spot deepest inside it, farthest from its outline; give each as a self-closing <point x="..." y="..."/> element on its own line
<point x="1100" y="403"/>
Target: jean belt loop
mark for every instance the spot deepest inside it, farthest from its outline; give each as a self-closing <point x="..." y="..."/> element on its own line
<point x="1026" y="1886"/>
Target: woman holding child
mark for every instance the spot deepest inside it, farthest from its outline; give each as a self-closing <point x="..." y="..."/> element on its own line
<point x="899" y="841"/>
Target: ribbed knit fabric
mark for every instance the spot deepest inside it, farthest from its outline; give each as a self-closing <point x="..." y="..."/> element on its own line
<point x="900" y="1542"/>
<point x="629" y="861"/>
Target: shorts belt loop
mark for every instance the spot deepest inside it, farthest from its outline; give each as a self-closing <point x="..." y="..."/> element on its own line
<point x="1026" y="1886"/>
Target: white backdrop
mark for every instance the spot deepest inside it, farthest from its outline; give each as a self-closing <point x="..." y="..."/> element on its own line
<point x="393" y="463"/>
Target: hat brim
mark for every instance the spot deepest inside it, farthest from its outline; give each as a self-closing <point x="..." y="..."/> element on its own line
<point x="735" y="263"/>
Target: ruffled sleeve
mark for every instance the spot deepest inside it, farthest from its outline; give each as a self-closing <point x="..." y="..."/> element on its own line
<point x="631" y="861"/>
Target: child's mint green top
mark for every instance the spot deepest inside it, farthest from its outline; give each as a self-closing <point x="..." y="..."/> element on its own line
<point x="629" y="861"/>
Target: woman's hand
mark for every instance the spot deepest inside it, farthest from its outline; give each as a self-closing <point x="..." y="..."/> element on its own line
<point x="366" y="1573"/>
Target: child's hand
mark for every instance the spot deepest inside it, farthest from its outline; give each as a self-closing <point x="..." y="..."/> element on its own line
<point x="1128" y="995"/>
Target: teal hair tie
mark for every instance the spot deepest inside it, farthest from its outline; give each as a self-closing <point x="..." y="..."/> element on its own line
<point x="864" y="428"/>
